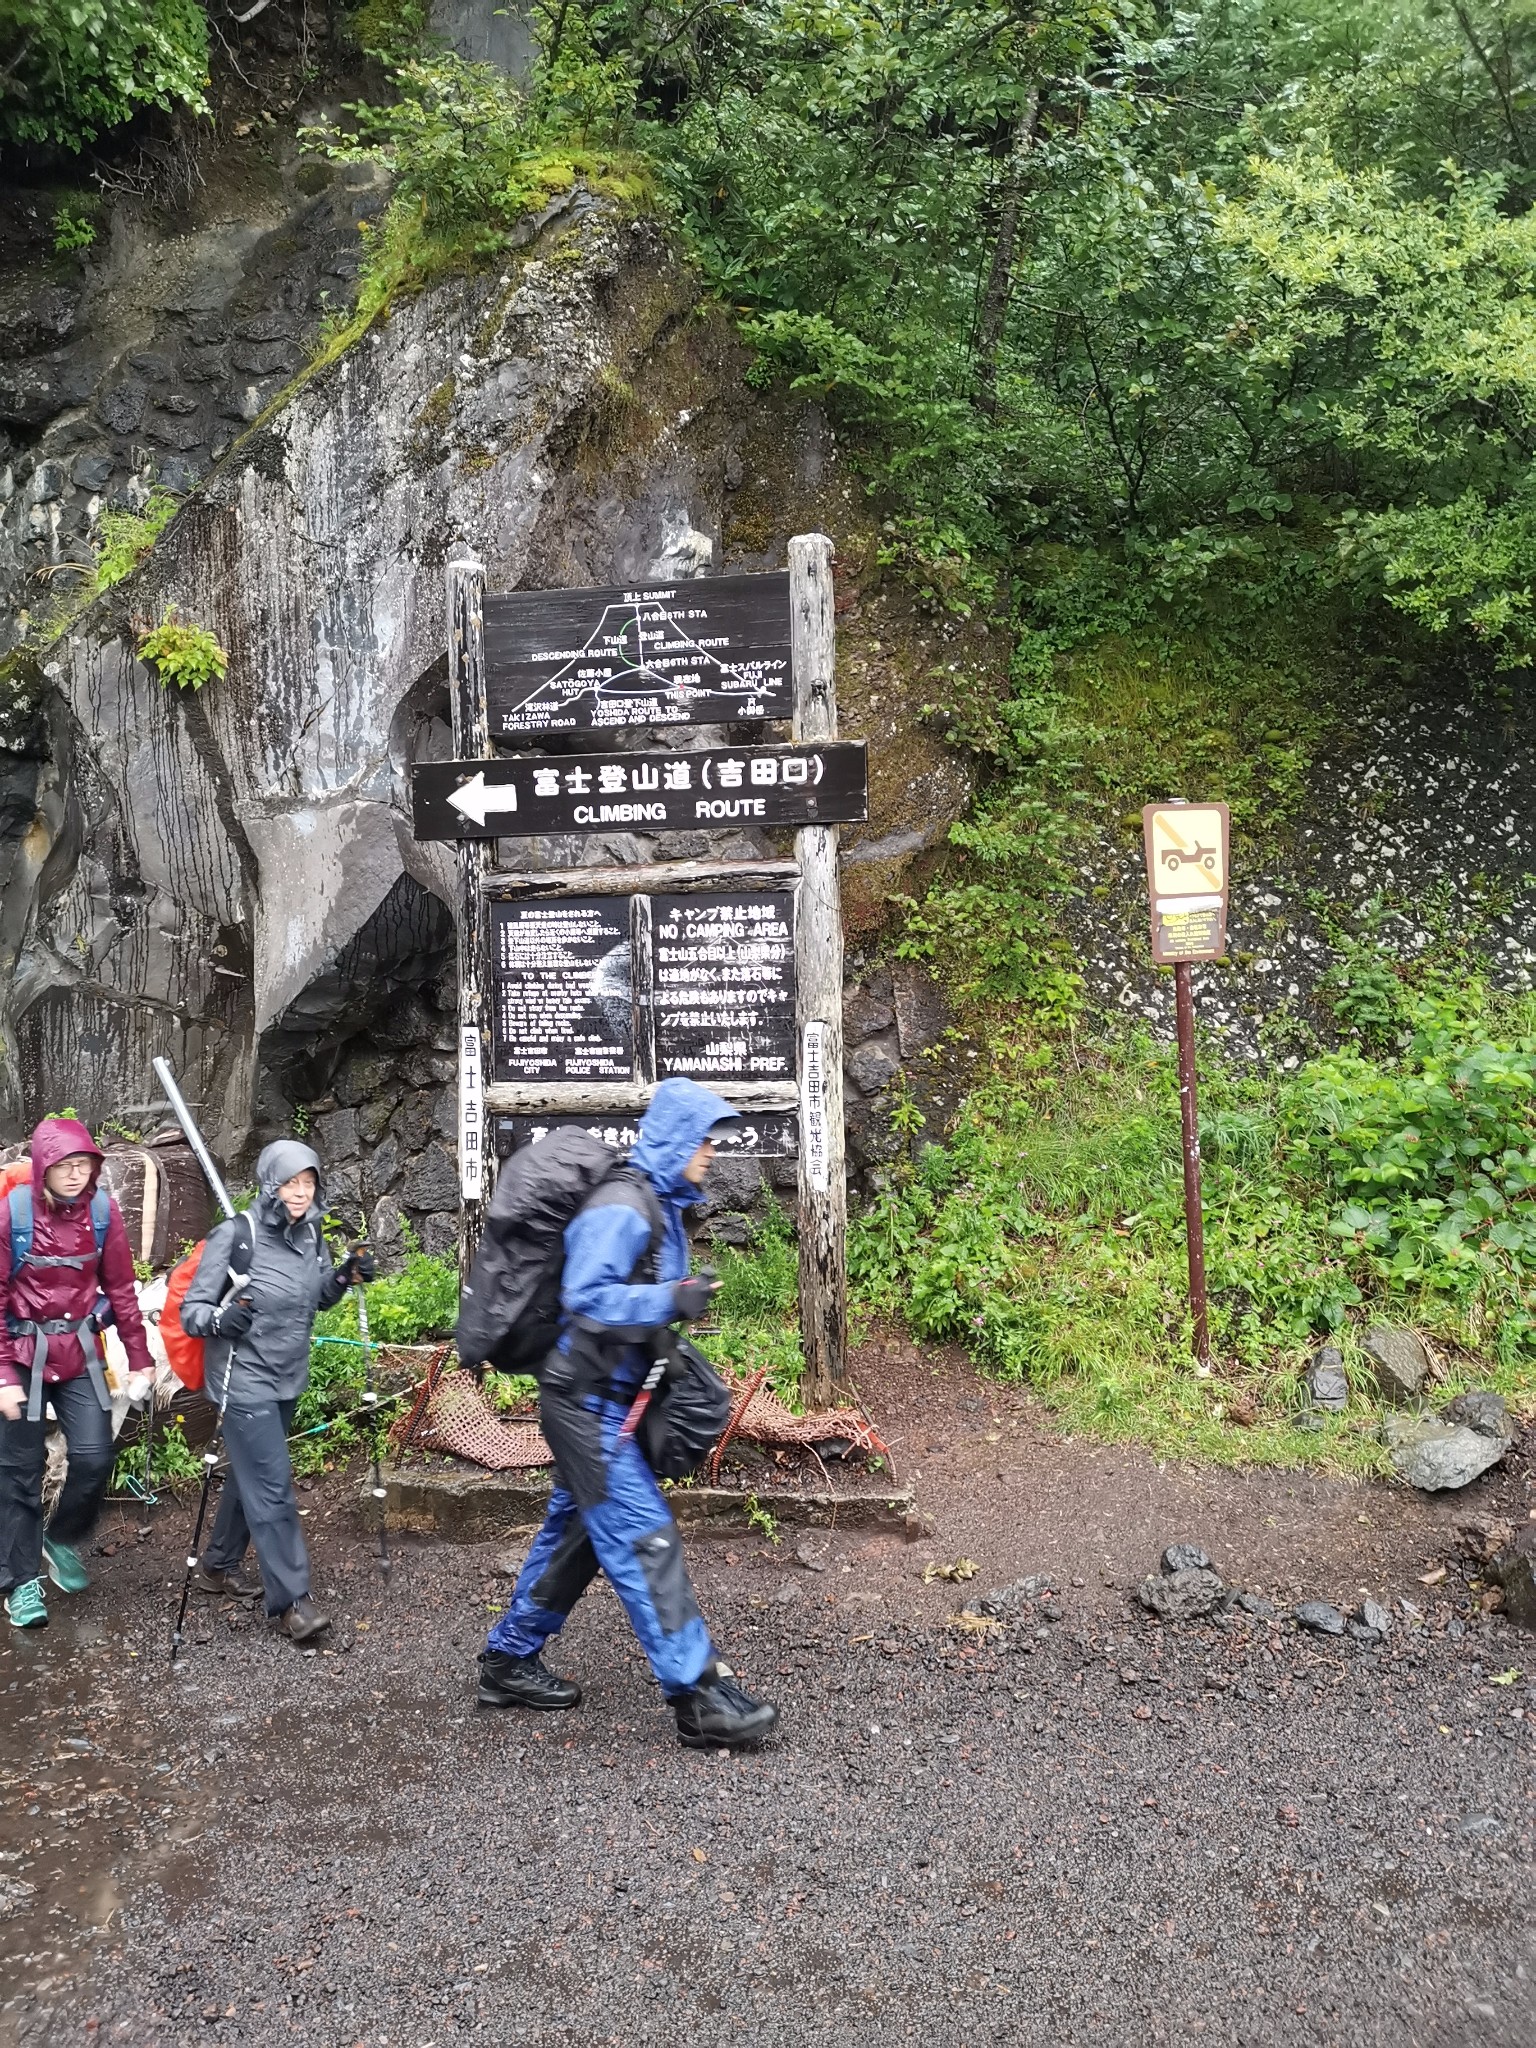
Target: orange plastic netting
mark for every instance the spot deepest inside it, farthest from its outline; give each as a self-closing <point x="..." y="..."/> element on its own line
<point x="452" y="1414"/>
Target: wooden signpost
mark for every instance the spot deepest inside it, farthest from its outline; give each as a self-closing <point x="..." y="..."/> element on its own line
<point x="1187" y="847"/>
<point x="581" y="988"/>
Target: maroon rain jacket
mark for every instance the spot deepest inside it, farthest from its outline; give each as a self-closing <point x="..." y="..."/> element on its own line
<point x="40" y="1294"/>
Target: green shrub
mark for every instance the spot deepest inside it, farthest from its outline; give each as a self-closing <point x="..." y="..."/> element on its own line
<point x="75" y="68"/>
<point x="182" y="652"/>
<point x="472" y="154"/>
<point x="418" y="1303"/>
<point x="175" y="1463"/>
<point x="757" y="1306"/>
<point x="72" y="230"/>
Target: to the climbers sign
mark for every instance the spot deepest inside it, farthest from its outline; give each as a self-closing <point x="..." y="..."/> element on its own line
<point x="1186" y="851"/>
<point x="689" y="653"/>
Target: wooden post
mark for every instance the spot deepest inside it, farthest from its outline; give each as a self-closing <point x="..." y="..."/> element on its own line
<point x="1194" y="1214"/>
<point x="471" y="742"/>
<point x="819" y="992"/>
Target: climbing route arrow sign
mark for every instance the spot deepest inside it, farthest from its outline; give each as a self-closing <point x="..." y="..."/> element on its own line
<point x="476" y="800"/>
<point x="822" y="784"/>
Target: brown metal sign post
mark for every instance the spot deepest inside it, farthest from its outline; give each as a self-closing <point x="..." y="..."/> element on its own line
<point x="1187" y="847"/>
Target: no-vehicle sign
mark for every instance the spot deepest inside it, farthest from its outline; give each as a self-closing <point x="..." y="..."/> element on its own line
<point x="1186" y="849"/>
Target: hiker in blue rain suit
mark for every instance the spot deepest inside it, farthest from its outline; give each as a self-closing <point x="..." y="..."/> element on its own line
<point x="625" y="1278"/>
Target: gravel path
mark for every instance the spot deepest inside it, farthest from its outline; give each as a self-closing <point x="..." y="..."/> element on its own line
<point x="1088" y="1829"/>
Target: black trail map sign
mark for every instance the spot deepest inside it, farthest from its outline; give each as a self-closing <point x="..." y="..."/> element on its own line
<point x="710" y="649"/>
<point x="756" y="1134"/>
<point x="768" y="785"/>
<point x="711" y="994"/>
<point x="725" y="987"/>
<point x="564" y="993"/>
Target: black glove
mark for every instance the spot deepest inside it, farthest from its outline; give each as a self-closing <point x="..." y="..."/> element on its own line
<point x="234" y="1318"/>
<point x="691" y="1298"/>
<point x="359" y="1266"/>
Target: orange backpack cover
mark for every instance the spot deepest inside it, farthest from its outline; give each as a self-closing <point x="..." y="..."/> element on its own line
<point x="184" y="1354"/>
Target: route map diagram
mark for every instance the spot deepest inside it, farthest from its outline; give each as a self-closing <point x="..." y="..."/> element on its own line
<point x="689" y="653"/>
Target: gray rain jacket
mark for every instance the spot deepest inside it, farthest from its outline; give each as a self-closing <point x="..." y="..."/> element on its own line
<point x="291" y="1277"/>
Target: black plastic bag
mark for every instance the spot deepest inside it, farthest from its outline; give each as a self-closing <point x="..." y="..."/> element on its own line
<point x="683" y="1423"/>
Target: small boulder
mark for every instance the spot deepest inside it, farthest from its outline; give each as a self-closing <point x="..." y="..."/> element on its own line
<point x="1438" y="1456"/>
<point x="1184" y="1557"/>
<point x="869" y="1069"/>
<point x="1515" y="1570"/>
<point x="1376" y="1617"/>
<point x="1321" y="1617"/>
<point x="1006" y="1603"/>
<point x="1326" y="1381"/>
<point x="1401" y="1364"/>
<point x="1482" y="1537"/>
<point x="1256" y="1605"/>
<point x="1189" y="1595"/>
<point x="1485" y="1412"/>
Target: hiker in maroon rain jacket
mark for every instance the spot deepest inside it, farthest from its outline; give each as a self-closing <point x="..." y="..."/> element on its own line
<point x="49" y="1336"/>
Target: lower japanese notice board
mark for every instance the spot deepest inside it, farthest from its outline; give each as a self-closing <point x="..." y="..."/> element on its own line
<point x="760" y="1134"/>
<point x="637" y="988"/>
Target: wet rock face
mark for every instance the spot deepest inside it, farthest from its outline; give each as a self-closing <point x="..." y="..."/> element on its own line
<point x="142" y="370"/>
<point x="231" y="876"/>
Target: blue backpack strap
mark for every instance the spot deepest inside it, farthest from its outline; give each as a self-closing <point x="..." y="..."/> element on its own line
<point x="101" y="1216"/>
<point x="19" y="1202"/>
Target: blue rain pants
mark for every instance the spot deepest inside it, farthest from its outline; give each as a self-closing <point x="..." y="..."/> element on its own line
<point x="607" y="1514"/>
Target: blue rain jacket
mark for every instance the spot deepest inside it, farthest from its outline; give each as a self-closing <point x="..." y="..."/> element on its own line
<point x="604" y="1244"/>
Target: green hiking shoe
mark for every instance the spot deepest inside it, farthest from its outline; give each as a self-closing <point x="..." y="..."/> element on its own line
<point x="26" y="1606"/>
<point x="64" y="1567"/>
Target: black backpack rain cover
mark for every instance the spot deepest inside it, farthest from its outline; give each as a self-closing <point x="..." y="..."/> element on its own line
<point x="509" y="1312"/>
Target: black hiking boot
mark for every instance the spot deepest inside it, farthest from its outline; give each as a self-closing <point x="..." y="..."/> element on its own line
<point x="232" y="1585"/>
<point x="303" y="1620"/>
<point x="717" y="1714"/>
<point x="523" y="1682"/>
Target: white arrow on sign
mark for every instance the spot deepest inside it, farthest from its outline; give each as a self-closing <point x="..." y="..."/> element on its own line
<point x="475" y="800"/>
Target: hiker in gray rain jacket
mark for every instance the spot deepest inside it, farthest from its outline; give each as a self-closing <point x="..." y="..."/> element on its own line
<point x="257" y="1367"/>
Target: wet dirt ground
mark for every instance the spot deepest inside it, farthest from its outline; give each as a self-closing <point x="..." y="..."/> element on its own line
<point x="1087" y="1829"/>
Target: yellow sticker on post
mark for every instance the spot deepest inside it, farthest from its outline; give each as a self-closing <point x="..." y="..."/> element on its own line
<point x="1187" y="848"/>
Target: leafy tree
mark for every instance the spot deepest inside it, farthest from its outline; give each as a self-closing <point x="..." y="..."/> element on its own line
<point x="78" y="67"/>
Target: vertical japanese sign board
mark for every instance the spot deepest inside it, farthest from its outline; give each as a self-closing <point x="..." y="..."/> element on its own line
<point x="1187" y="848"/>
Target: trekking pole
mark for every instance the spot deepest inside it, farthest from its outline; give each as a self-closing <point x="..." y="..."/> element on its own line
<point x="194" y="1138"/>
<point x="151" y="1498"/>
<point x="371" y="1403"/>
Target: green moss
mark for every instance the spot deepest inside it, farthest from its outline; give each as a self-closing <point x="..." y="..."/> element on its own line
<point x="438" y="409"/>
<point x="127" y="537"/>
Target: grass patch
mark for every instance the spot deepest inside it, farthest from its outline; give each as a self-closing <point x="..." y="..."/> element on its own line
<point x="418" y="1303"/>
<point x="1047" y="1234"/>
<point x="757" y="1307"/>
